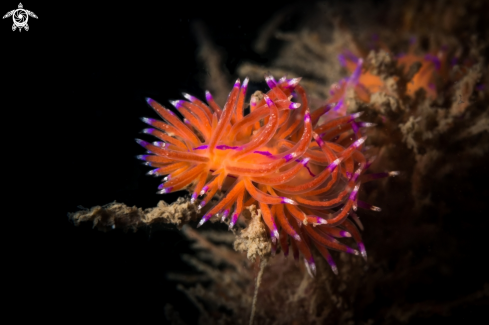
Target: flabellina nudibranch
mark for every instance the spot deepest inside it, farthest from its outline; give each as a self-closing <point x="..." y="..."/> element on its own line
<point x="434" y="75"/>
<point x="303" y="175"/>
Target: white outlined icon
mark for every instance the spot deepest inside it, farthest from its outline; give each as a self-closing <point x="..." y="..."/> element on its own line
<point x="20" y="17"/>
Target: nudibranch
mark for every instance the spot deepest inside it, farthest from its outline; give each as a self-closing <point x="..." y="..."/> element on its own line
<point x="304" y="176"/>
<point x="435" y="73"/>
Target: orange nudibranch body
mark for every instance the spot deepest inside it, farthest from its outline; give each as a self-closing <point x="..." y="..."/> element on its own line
<point x="303" y="174"/>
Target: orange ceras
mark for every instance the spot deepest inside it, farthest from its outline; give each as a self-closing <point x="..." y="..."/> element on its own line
<point x="304" y="177"/>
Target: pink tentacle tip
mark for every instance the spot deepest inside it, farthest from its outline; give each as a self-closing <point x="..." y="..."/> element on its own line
<point x="292" y="83"/>
<point x="355" y="115"/>
<point x="268" y="100"/>
<point x="160" y="144"/>
<point x="152" y="172"/>
<point x="363" y="252"/>
<point x="335" y="164"/>
<point x="176" y="103"/>
<point x="204" y="190"/>
<point x="333" y="266"/>
<point x="294" y="105"/>
<point x="201" y="205"/>
<point x="146" y="120"/>
<point x="288" y="201"/>
<point x="234" y="218"/>
<point x="344" y="233"/>
<point x="366" y="205"/>
<point x="142" y="143"/>
<point x="245" y="84"/>
<point x="237" y="84"/>
<point x="290" y="156"/>
<point x="189" y="97"/>
<point x="353" y="194"/>
<point x="208" y="96"/>
<point x="161" y="186"/>
<point x="204" y="219"/>
<point x="165" y="190"/>
<point x="305" y="161"/>
<point x="307" y="117"/>
<point x="359" y="142"/>
<point x="274" y="234"/>
<point x="149" y="100"/>
<point x="225" y="215"/>
<point x="352" y="251"/>
<point x="356" y="175"/>
<point x="193" y="198"/>
<point x="270" y="81"/>
<point x="297" y="237"/>
<point x="366" y="124"/>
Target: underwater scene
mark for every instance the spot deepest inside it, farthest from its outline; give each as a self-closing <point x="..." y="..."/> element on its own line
<point x="285" y="163"/>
